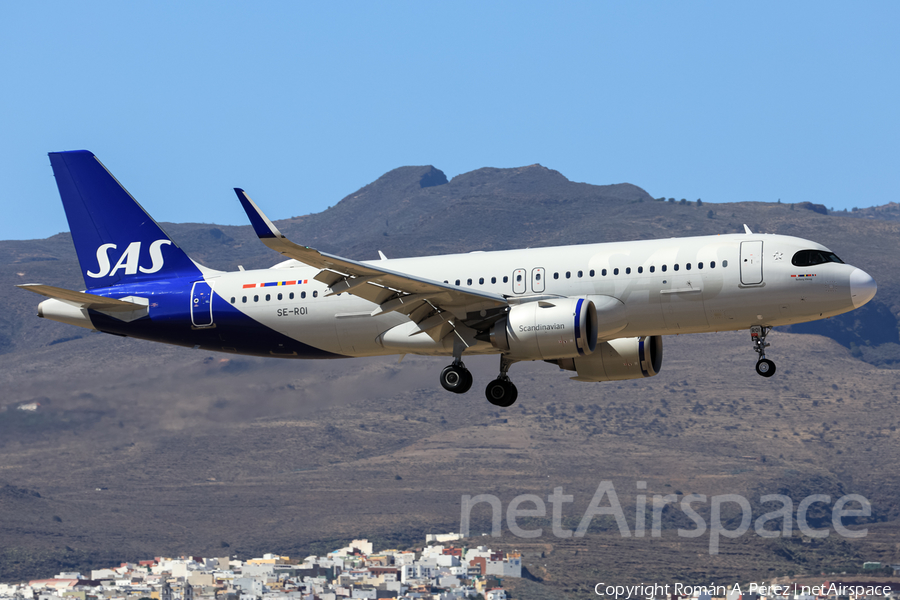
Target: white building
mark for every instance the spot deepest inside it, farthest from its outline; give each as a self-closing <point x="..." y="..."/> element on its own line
<point x="511" y="567"/>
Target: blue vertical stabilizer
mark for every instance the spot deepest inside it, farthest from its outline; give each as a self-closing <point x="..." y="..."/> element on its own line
<point x="116" y="240"/>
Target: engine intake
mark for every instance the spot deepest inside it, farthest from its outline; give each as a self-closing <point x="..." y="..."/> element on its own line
<point x="623" y="358"/>
<point x="547" y="329"/>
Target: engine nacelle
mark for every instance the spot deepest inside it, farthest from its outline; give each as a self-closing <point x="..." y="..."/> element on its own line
<point x="623" y="358"/>
<point x="547" y="329"/>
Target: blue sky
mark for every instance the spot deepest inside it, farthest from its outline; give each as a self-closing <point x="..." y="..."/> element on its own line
<point x="303" y="103"/>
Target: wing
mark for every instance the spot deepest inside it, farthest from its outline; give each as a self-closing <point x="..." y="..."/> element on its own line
<point x="433" y="305"/>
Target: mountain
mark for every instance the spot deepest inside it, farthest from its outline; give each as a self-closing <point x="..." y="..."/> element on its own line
<point x="139" y="449"/>
<point x="885" y="212"/>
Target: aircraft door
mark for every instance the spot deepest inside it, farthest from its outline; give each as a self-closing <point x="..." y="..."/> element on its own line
<point x="201" y="304"/>
<point x="519" y="281"/>
<point x="751" y="262"/>
<point x="537" y="280"/>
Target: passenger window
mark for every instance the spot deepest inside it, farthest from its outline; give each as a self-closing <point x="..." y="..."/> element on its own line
<point x="469" y="281"/>
<point x="291" y="295"/>
<point x="494" y="279"/>
<point x="724" y="263"/>
<point x="640" y="269"/>
<point x="268" y="297"/>
<point x="687" y="267"/>
<point x="628" y="270"/>
<point x="568" y="274"/>
<point x="603" y="272"/>
<point x="315" y="294"/>
<point x="676" y="266"/>
<point x="712" y="264"/>
<point x="652" y="269"/>
<point x="232" y="299"/>
<point x="556" y="276"/>
<point x="457" y="282"/>
<point x="505" y="279"/>
<point x="256" y="298"/>
<point x="280" y="296"/>
<point x="244" y="299"/>
<point x="700" y="265"/>
<point x="481" y="281"/>
<point x="664" y="268"/>
<point x="592" y="273"/>
<point x="302" y="295"/>
<point x="616" y="271"/>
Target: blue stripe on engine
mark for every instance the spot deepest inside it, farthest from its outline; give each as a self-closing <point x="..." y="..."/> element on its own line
<point x="578" y="326"/>
<point x="641" y="357"/>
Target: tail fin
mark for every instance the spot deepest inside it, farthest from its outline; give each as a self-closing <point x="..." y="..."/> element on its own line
<point x="115" y="239"/>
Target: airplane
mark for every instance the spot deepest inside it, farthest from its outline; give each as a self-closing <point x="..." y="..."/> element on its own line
<point x="596" y="310"/>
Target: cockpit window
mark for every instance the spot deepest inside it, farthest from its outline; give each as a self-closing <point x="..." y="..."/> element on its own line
<point x="809" y="258"/>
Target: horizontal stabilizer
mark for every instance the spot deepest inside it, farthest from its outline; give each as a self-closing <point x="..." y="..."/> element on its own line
<point x="82" y="299"/>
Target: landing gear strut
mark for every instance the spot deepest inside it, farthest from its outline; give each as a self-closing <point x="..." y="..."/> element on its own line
<point x="764" y="366"/>
<point x="456" y="377"/>
<point x="501" y="391"/>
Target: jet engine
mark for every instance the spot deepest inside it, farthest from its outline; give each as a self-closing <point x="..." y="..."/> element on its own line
<point x="623" y="358"/>
<point x="546" y="329"/>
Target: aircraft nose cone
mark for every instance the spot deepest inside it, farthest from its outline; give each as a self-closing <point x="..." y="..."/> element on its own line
<point x="862" y="287"/>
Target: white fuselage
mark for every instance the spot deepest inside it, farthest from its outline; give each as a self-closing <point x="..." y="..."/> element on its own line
<point x="670" y="286"/>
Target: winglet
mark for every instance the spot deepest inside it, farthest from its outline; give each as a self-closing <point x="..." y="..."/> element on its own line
<point x="270" y="236"/>
<point x="263" y="227"/>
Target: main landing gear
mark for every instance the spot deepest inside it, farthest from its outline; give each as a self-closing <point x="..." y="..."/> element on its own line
<point x="501" y="392"/>
<point x="456" y="378"/>
<point x="764" y="366"/>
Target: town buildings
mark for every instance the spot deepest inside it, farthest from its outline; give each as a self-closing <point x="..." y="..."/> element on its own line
<point x="436" y="572"/>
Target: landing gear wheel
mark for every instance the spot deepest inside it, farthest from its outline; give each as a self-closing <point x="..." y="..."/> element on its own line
<point x="467" y="383"/>
<point x="765" y="367"/>
<point x="456" y="379"/>
<point x="501" y="393"/>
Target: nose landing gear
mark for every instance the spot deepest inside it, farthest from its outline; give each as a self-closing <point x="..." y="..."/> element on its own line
<point x="764" y="366"/>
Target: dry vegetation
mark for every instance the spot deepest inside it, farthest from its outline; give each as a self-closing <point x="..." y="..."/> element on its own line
<point x="289" y="456"/>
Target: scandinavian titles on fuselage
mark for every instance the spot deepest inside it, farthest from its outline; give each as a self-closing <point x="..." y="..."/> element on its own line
<point x="527" y="328"/>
